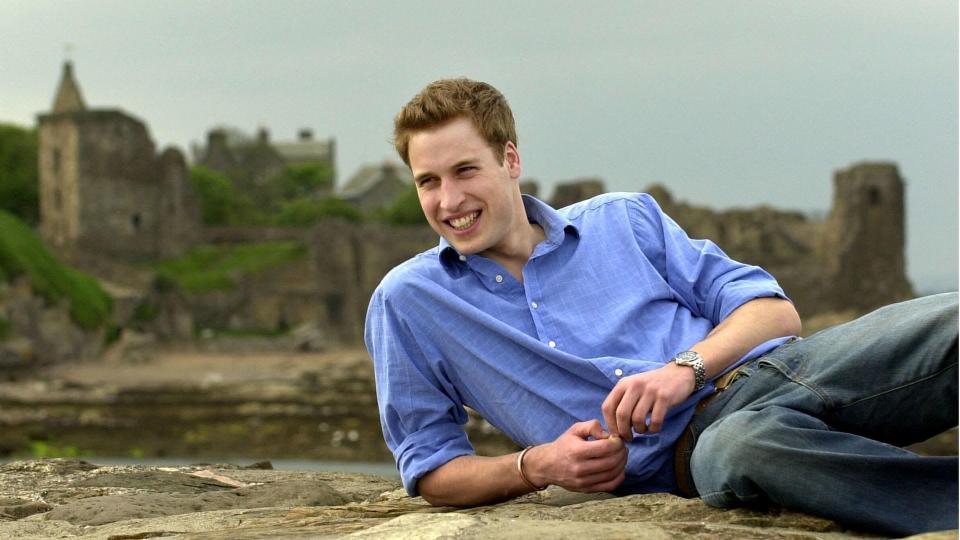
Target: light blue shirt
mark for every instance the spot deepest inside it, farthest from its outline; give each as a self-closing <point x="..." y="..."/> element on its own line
<point x="616" y="288"/>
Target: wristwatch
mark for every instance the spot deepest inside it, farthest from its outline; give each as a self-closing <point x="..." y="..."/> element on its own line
<point x="694" y="360"/>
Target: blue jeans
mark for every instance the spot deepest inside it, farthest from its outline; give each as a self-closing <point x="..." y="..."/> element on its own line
<point x="816" y="425"/>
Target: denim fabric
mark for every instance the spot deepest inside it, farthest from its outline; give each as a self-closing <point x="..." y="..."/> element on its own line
<point x="816" y="425"/>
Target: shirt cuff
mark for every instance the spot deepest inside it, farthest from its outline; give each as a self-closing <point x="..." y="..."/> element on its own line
<point x="734" y="294"/>
<point x="428" y="449"/>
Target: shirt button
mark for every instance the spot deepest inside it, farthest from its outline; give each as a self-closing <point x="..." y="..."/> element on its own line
<point x="552" y="344"/>
<point x="618" y="372"/>
<point x="499" y="278"/>
<point x="463" y="257"/>
<point x="534" y="305"/>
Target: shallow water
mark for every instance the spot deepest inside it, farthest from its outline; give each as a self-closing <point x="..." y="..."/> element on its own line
<point x="378" y="468"/>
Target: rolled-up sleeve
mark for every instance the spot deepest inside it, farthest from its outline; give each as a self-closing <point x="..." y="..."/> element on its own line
<point x="421" y="417"/>
<point x="709" y="282"/>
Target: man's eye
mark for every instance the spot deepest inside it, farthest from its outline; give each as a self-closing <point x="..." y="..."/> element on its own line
<point x="424" y="181"/>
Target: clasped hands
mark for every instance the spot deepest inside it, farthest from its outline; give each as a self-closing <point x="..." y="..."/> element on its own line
<point x="586" y="457"/>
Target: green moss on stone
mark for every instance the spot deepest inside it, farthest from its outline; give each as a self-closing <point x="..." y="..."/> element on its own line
<point x="23" y="253"/>
<point x="211" y="268"/>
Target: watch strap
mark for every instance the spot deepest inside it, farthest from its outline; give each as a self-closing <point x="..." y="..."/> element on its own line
<point x="693" y="360"/>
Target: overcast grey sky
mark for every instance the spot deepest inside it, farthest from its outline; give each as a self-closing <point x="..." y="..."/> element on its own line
<point x="728" y="103"/>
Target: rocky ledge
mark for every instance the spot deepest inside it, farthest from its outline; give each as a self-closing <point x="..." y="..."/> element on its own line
<point x="62" y="498"/>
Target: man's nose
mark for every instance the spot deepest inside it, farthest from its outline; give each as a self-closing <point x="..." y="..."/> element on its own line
<point x="450" y="196"/>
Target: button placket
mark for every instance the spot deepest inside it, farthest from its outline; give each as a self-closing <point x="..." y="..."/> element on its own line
<point x="539" y="315"/>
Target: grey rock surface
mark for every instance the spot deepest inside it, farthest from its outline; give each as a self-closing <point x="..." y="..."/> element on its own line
<point x="63" y="498"/>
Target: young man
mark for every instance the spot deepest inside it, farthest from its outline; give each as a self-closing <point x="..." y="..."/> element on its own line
<point x="590" y="335"/>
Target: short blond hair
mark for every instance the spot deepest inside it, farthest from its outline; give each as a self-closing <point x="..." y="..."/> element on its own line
<point x="444" y="100"/>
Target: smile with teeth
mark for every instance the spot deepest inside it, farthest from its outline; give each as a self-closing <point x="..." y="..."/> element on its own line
<point x="464" y="223"/>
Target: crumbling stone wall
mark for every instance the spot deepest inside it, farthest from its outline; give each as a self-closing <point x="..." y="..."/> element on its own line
<point x="178" y="209"/>
<point x="567" y="193"/>
<point x="111" y="196"/>
<point x="853" y="261"/>
<point x="329" y="289"/>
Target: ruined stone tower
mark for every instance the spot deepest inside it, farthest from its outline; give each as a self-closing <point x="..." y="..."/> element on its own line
<point x="103" y="188"/>
<point x="852" y="261"/>
<point x="864" y="238"/>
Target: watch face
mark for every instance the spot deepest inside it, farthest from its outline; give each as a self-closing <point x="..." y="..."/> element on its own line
<point x="687" y="357"/>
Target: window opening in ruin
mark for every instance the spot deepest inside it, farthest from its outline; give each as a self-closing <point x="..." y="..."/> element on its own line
<point x="57" y="198"/>
<point x="873" y="196"/>
<point x="135" y="220"/>
<point x="56" y="160"/>
<point x="334" y="303"/>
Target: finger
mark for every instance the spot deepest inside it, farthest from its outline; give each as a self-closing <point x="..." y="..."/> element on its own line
<point x="590" y="428"/>
<point x="599" y="481"/>
<point x="625" y="412"/>
<point x="609" y="408"/>
<point x="624" y="457"/>
<point x="657" y="415"/>
<point x="596" y="430"/>
<point x="617" y="443"/>
<point x="638" y="418"/>
<point x="601" y="456"/>
<point x="609" y="485"/>
<point x="599" y="448"/>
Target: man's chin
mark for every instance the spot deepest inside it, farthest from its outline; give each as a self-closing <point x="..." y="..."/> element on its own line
<point x="463" y="248"/>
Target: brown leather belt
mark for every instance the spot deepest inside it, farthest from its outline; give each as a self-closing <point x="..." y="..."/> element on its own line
<point x="684" y="447"/>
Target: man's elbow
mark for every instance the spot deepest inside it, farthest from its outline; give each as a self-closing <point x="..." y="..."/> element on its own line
<point x="427" y="490"/>
<point x="433" y="500"/>
<point x="788" y="320"/>
<point x="431" y="496"/>
<point x="434" y="490"/>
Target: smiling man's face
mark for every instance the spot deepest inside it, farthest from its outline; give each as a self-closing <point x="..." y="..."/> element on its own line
<point x="468" y="196"/>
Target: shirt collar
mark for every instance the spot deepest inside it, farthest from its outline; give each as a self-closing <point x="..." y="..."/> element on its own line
<point x="554" y="226"/>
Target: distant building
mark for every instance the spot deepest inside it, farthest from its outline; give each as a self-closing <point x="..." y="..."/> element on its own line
<point x="377" y="185"/>
<point x="529" y="186"/>
<point x="573" y="191"/>
<point x="103" y="187"/>
<point x="250" y="162"/>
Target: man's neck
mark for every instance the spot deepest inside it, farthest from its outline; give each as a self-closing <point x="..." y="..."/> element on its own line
<point x="516" y="258"/>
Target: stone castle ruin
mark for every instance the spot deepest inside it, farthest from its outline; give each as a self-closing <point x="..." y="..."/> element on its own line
<point x="106" y="193"/>
<point x="104" y="189"/>
<point x="251" y="163"/>
<point x="852" y="261"/>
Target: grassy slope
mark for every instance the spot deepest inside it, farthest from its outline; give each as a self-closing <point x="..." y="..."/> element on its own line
<point x="21" y="252"/>
<point x="209" y="268"/>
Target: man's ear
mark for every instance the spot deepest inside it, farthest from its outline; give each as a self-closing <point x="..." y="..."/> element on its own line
<point x="511" y="159"/>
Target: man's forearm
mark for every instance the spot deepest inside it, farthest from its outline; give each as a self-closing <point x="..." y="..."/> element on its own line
<point x="584" y="458"/>
<point x="651" y="394"/>
<point x="473" y="480"/>
<point x="748" y="326"/>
